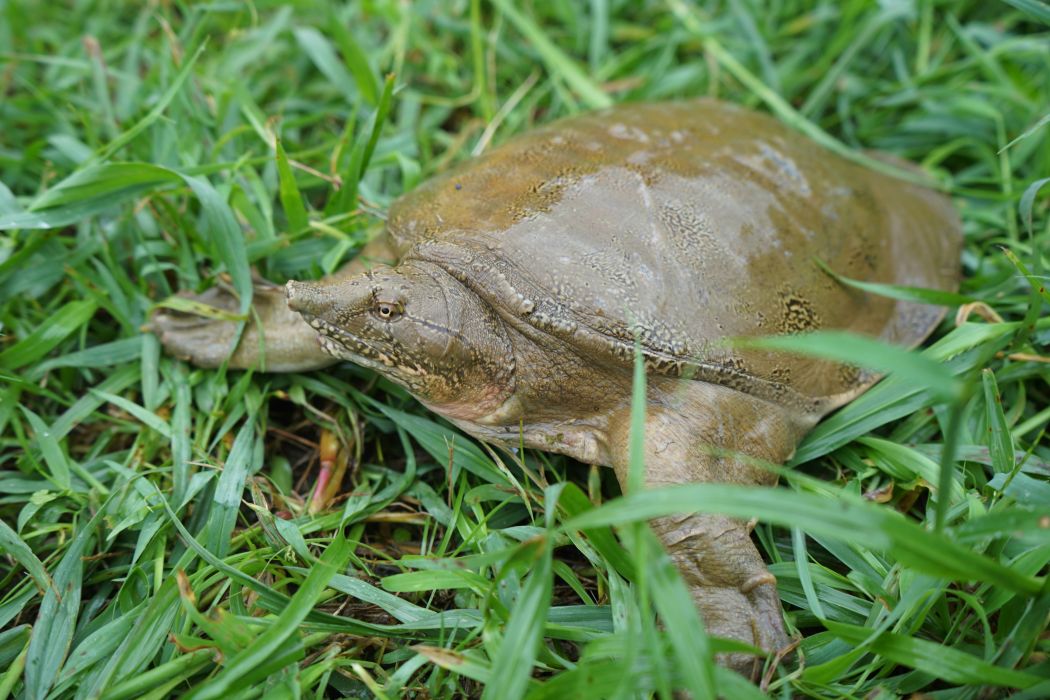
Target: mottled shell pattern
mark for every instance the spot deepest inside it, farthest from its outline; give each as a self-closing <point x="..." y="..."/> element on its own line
<point x="683" y="224"/>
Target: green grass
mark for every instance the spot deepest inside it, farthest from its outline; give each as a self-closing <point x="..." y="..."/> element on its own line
<point x="155" y="519"/>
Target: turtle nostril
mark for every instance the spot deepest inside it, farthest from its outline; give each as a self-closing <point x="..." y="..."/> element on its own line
<point x="307" y="299"/>
<point x="291" y="293"/>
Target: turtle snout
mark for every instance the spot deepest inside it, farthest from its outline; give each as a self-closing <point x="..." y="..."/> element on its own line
<point x="311" y="300"/>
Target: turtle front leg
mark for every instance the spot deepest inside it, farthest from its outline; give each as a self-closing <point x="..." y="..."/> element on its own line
<point x="692" y="438"/>
<point x="281" y="341"/>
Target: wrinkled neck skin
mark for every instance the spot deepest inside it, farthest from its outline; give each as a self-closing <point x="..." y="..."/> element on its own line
<point x="598" y="401"/>
<point x="549" y="385"/>
<point x="552" y="381"/>
<point x="474" y="373"/>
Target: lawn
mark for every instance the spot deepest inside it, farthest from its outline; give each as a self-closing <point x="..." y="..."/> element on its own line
<point x="161" y="526"/>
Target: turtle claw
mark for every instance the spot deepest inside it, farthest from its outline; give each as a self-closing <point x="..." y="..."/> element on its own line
<point x="748" y="613"/>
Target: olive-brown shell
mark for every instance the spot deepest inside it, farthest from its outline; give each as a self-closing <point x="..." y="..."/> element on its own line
<point x="684" y="224"/>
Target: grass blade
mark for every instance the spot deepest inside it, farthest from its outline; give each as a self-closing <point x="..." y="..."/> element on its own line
<point x="913" y="367"/>
<point x="964" y="349"/>
<point x="158" y="109"/>
<point x="44" y="338"/>
<point x="361" y="155"/>
<point x="512" y="667"/>
<point x="469" y="663"/>
<point x="56" y="620"/>
<point x="321" y="53"/>
<point x="938" y="660"/>
<point x="557" y="62"/>
<point x="55" y="459"/>
<point x="16" y="547"/>
<point x="291" y="199"/>
<point x="1034" y="8"/>
<point x="356" y="60"/>
<point x="88" y="192"/>
<point x="225" y="234"/>
<point x="227" y="499"/>
<point x="281" y="629"/>
<point x="105" y="355"/>
<point x="1000" y="443"/>
<point x="918" y="295"/>
<point x="685" y="630"/>
<point x="147" y="417"/>
<point x="854" y="521"/>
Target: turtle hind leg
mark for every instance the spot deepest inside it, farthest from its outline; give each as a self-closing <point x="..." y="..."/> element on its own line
<point x="693" y="437"/>
<point x="276" y="339"/>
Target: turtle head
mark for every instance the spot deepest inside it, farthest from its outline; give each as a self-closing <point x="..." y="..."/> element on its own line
<point x="418" y="326"/>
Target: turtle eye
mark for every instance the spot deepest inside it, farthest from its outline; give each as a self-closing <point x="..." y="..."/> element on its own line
<point x="387" y="311"/>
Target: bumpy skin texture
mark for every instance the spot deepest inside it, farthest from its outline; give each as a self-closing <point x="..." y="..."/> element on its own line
<point x="525" y="276"/>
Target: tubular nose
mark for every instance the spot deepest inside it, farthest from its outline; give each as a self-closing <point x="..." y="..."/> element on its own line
<point x="306" y="298"/>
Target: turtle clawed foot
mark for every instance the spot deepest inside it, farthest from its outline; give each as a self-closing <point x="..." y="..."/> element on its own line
<point x="203" y="340"/>
<point x="276" y="339"/>
<point x="749" y="613"/>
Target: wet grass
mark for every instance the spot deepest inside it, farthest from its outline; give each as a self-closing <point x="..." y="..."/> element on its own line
<point x="160" y="531"/>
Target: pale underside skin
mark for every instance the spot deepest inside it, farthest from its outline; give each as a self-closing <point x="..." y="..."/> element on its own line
<point x="525" y="275"/>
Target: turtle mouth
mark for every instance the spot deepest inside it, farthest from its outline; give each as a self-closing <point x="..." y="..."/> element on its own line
<point x="340" y="343"/>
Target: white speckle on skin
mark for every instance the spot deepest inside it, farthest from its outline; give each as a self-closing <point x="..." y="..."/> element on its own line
<point x="785" y="166"/>
<point x="628" y="133"/>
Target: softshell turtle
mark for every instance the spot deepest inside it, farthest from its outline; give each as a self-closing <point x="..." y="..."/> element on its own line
<point x="524" y="276"/>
